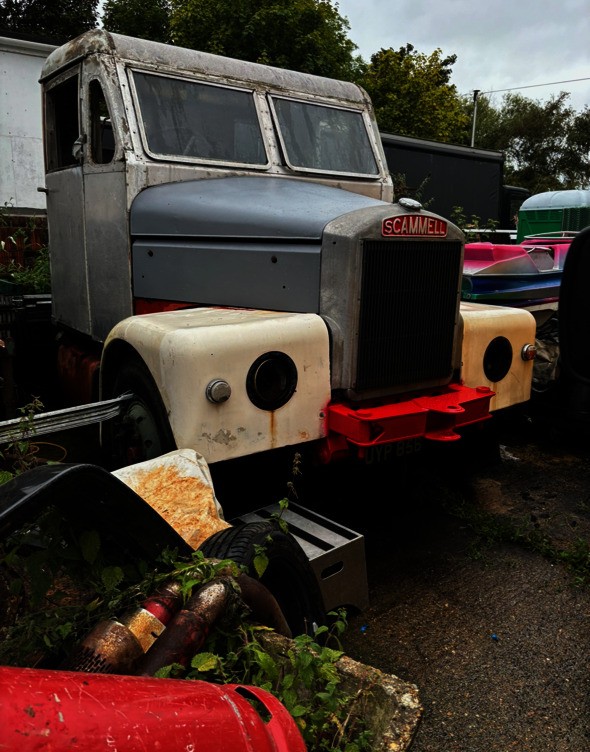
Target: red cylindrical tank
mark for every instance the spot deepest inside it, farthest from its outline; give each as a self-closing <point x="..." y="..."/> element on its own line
<point x="55" y="711"/>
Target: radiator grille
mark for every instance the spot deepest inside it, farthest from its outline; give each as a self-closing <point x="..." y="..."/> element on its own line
<point x="407" y="312"/>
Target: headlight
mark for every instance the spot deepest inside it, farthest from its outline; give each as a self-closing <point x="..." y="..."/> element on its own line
<point x="497" y="359"/>
<point x="271" y="380"/>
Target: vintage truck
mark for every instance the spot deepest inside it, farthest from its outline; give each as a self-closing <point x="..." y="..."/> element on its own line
<point x="231" y="274"/>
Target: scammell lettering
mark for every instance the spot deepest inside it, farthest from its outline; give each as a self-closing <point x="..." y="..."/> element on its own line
<point x="414" y="225"/>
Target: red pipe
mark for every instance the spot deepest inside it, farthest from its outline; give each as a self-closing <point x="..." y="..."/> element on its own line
<point x="67" y="711"/>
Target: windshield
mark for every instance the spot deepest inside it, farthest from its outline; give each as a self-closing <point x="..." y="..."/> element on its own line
<point x="321" y="138"/>
<point x="189" y="119"/>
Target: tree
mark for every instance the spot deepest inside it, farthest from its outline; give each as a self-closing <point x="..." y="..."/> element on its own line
<point x="54" y="21"/>
<point x="413" y="96"/>
<point x="547" y="146"/>
<point x="138" y="19"/>
<point x="302" y="35"/>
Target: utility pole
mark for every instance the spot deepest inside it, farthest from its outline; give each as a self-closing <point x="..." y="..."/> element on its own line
<point x="476" y="93"/>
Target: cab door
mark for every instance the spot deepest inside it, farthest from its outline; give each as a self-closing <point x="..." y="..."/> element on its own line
<point x="65" y="200"/>
<point x="105" y="199"/>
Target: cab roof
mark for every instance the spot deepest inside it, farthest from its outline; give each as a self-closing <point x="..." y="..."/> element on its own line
<point x="182" y="60"/>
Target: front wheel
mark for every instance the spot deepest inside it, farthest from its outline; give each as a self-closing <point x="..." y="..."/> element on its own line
<point x="142" y="431"/>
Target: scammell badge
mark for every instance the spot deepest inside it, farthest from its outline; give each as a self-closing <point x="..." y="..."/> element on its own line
<point x="414" y="226"/>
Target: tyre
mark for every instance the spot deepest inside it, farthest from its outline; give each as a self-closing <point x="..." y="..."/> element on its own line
<point x="288" y="576"/>
<point x="142" y="431"/>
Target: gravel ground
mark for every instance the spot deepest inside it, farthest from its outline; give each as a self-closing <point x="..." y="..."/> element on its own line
<point x="474" y="595"/>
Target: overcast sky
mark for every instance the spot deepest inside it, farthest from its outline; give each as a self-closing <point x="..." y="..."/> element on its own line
<point x="500" y="44"/>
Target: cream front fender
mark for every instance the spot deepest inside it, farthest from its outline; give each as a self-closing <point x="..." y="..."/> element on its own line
<point x="209" y="367"/>
<point x="493" y="339"/>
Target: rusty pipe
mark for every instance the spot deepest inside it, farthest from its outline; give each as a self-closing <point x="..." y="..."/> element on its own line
<point x="188" y="630"/>
<point x="115" y="646"/>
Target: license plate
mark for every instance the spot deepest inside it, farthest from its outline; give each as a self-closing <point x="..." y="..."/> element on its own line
<point x="383" y="453"/>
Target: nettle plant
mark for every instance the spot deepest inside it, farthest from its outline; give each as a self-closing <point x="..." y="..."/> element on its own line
<point x="302" y="673"/>
<point x="22" y="450"/>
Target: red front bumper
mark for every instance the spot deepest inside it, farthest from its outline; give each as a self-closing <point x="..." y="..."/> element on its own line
<point x="435" y="416"/>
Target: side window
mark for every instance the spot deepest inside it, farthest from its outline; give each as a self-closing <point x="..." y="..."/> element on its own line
<point x="102" y="139"/>
<point x="324" y="138"/>
<point x="182" y="118"/>
<point x="62" y="125"/>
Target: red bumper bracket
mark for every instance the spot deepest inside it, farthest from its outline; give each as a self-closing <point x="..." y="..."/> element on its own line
<point x="435" y="416"/>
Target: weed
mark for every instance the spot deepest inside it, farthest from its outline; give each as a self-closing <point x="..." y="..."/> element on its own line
<point x="304" y="678"/>
<point x="472" y="226"/>
<point x="20" y="453"/>
<point x="577" y="559"/>
<point x="401" y="189"/>
<point x="60" y="576"/>
<point x="31" y="279"/>
<point x="491" y="528"/>
<point x="65" y="581"/>
<point x="28" y="264"/>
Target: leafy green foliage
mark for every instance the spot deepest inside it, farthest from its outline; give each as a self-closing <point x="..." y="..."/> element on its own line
<point x="63" y="578"/>
<point x="401" y="189"/>
<point x="474" y="228"/>
<point x="492" y="528"/>
<point x="60" y="578"/>
<point x="138" y="19"/>
<point x="32" y="279"/>
<point x="33" y="276"/>
<point x="303" y="35"/>
<point x="196" y="571"/>
<point x="304" y="678"/>
<point x="19" y="454"/>
<point x="412" y="94"/>
<point x="547" y="145"/>
<point x="52" y="20"/>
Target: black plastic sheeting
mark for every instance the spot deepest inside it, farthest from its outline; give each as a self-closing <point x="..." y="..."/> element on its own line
<point x="91" y="493"/>
<point x="574" y="328"/>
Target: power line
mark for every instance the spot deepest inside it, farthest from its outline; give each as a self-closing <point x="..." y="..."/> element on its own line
<point x="532" y="86"/>
<point x="477" y="93"/>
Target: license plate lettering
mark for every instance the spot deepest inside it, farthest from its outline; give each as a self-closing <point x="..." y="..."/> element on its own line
<point x="383" y="453"/>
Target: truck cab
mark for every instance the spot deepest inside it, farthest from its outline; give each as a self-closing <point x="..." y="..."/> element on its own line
<point x="225" y="249"/>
